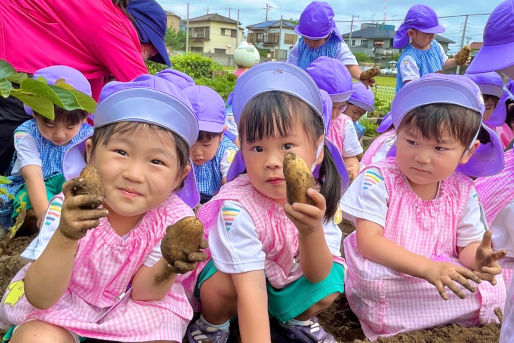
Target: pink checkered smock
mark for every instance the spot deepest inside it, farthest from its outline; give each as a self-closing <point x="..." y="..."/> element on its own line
<point x="104" y="267"/>
<point x="375" y="145"/>
<point x="337" y="131"/>
<point x="277" y="233"/>
<point x="388" y="302"/>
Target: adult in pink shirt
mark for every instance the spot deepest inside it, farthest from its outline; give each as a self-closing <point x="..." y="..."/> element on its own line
<point x="95" y="37"/>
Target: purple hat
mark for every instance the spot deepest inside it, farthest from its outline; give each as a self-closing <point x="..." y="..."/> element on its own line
<point x="498" y="49"/>
<point x="209" y="108"/>
<point x="332" y="76"/>
<point x="386" y="123"/>
<point x="178" y="78"/>
<point x="317" y="21"/>
<point x="147" y="99"/>
<point x="362" y="97"/>
<point x="491" y="83"/>
<point x="451" y="89"/>
<point x="289" y="79"/>
<point x="421" y="18"/>
<point x="71" y="76"/>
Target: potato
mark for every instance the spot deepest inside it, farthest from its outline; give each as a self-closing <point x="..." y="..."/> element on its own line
<point x="181" y="245"/>
<point x="90" y="185"/>
<point x="369" y="74"/>
<point x="298" y="179"/>
<point x="462" y="56"/>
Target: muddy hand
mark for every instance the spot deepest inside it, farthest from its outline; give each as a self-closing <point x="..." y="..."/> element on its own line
<point x="463" y="56"/>
<point x="79" y="212"/>
<point x="486" y="259"/>
<point x="367" y="77"/>
<point x="445" y="274"/>
<point x="307" y="218"/>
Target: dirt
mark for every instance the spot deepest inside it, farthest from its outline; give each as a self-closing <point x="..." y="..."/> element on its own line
<point x="338" y="319"/>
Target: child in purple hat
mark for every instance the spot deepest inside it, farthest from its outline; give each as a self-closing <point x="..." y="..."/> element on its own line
<point x="96" y="269"/>
<point x="423" y="55"/>
<point x="320" y="37"/>
<point x="360" y="102"/>
<point x="332" y="76"/>
<point x="419" y="226"/>
<point x="40" y="145"/>
<point x="213" y="151"/>
<point x="506" y="130"/>
<point x="491" y="86"/>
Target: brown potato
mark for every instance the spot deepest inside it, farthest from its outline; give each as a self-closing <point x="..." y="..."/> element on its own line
<point x="462" y="56"/>
<point x="298" y="179"/>
<point x="91" y="183"/>
<point x="369" y="74"/>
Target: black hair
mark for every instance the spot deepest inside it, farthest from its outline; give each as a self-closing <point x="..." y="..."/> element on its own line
<point x="509" y="119"/>
<point x="462" y="123"/>
<point x="277" y="109"/>
<point x="490" y="96"/>
<point x="103" y="134"/>
<point x="72" y="117"/>
<point x="207" y="136"/>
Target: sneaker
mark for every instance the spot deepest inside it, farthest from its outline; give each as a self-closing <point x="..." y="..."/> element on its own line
<point x="201" y="332"/>
<point x="309" y="333"/>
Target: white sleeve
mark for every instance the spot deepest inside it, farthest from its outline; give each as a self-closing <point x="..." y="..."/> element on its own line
<point x="226" y="160"/>
<point x="333" y="235"/>
<point x="47" y="230"/>
<point x="366" y="198"/>
<point x="409" y="70"/>
<point x="351" y="145"/>
<point x="233" y="242"/>
<point x="503" y="230"/>
<point x="472" y="224"/>
<point x="344" y="54"/>
<point x="27" y="152"/>
<point x="382" y="151"/>
<point x="292" y="57"/>
<point x="154" y="256"/>
<point x="230" y="121"/>
<point x="445" y="57"/>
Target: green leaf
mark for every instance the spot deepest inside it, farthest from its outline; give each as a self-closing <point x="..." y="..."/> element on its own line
<point x="86" y="102"/>
<point x="5" y="88"/>
<point x="66" y="97"/>
<point x="38" y="103"/>
<point x="39" y="87"/>
<point x="3" y="191"/>
<point x="6" y="69"/>
<point x="4" y="180"/>
<point x="17" y="78"/>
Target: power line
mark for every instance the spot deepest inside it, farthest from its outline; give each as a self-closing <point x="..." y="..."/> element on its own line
<point x="441" y="17"/>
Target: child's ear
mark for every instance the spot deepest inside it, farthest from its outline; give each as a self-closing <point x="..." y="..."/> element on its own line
<point x="322" y="152"/>
<point x="89" y="149"/>
<point x="410" y="33"/>
<point x="469" y="152"/>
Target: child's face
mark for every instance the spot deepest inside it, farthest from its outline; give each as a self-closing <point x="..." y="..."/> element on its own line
<point x="137" y="176"/>
<point x="314" y="43"/>
<point x="427" y="161"/>
<point x="354" y="112"/>
<point x="264" y="159"/>
<point x="203" y="151"/>
<point x="420" y="40"/>
<point x="337" y="108"/>
<point x="57" y="132"/>
<point x="490" y="105"/>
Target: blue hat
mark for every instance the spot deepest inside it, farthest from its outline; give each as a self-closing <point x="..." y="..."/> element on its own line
<point x="491" y="83"/>
<point x="289" y="79"/>
<point x="150" y="23"/>
<point x="458" y="90"/>
<point x="332" y="76"/>
<point x="178" y="78"/>
<point x="148" y="99"/>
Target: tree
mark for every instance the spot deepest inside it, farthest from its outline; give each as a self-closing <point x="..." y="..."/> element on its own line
<point x="175" y="40"/>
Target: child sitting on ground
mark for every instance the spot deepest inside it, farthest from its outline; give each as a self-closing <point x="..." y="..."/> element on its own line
<point x="40" y="145"/>
<point x="419" y="227"/>
<point x="332" y="76"/>
<point x="99" y="272"/>
<point x="423" y="55"/>
<point x="360" y="102"/>
<point x="213" y="151"/>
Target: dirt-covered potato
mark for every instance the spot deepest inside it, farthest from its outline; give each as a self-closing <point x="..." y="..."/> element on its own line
<point x="369" y="74"/>
<point x="181" y="245"/>
<point x="89" y="182"/>
<point x="298" y="179"/>
<point x="463" y="55"/>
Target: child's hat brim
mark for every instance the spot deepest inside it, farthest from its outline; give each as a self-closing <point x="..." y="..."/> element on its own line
<point x="386" y="123"/>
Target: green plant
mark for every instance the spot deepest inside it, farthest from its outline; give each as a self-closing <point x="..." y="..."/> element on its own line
<point x="175" y="40"/>
<point x="362" y="57"/>
<point x="154" y="67"/>
<point x="371" y="127"/>
<point x="195" y="65"/>
<point x="223" y="84"/>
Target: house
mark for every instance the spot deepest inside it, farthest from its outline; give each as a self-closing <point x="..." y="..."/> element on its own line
<point x="172" y="20"/>
<point x="214" y="34"/>
<point x="376" y="40"/>
<point x="278" y="36"/>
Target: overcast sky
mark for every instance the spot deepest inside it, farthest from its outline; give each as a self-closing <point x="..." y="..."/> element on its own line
<point x="253" y="11"/>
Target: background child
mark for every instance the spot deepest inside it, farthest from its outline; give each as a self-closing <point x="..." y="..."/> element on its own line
<point x="418" y="220"/>
<point x="213" y="152"/>
<point x="332" y="76"/>
<point x="423" y="55"/>
<point x="506" y="129"/>
<point x="40" y="145"/>
<point x="320" y="37"/>
<point x="491" y="86"/>
<point x="112" y="283"/>
<point x="360" y="102"/>
<point x="178" y="78"/>
<point x="496" y="55"/>
<point x="264" y="251"/>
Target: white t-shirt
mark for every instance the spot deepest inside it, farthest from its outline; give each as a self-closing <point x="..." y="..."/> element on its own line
<point x="27" y="152"/>
<point x="351" y="146"/>
<point x="236" y="248"/>
<point x="343" y="53"/>
<point x="409" y="69"/>
<point x="369" y="200"/>
<point x="226" y="160"/>
<point x="503" y="230"/>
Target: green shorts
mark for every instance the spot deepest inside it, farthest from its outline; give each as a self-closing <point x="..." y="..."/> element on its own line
<point x="294" y="299"/>
<point x="53" y="186"/>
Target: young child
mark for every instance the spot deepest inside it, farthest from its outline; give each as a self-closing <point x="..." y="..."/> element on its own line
<point x="40" y="145"/>
<point x="419" y="227"/>
<point x="99" y="272"/>
<point x="496" y="55"/>
<point x="213" y="152"/>
<point x="320" y="37"/>
<point x="506" y="129"/>
<point x="491" y="86"/>
<point x="360" y="102"/>
<point x="268" y="255"/>
<point x="178" y="78"/>
<point x="423" y="55"/>
<point x="332" y="76"/>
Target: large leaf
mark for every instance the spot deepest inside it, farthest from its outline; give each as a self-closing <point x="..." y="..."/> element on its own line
<point x="86" y="102"/>
<point x="6" y="69"/>
<point x="17" y="78"/>
<point x="5" y="88"/>
<point x="40" y="104"/>
<point x="39" y="87"/>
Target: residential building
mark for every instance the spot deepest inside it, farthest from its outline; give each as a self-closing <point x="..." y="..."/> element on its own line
<point x="172" y="20"/>
<point x="214" y="34"/>
<point x="278" y="36"/>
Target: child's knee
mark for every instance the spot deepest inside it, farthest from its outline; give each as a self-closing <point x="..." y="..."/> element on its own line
<point x="327" y="301"/>
<point x="219" y="285"/>
<point x="41" y="332"/>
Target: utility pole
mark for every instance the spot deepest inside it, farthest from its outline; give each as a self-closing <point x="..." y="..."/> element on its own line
<point x="351" y="29"/>
<point x="462" y="39"/>
<point x="187" y="29"/>
<point x="229" y="13"/>
<point x="267" y="8"/>
<point x="237" y="31"/>
<point x="280" y="37"/>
